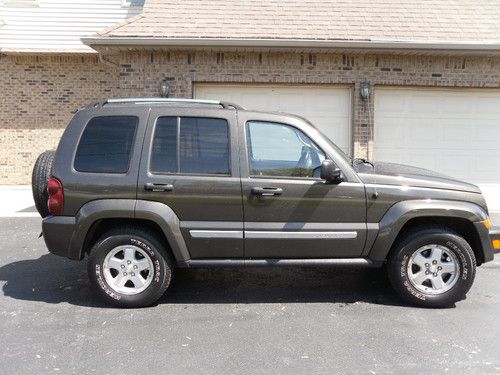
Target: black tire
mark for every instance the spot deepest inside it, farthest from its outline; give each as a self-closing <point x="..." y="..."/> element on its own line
<point x="145" y="240"/>
<point x="401" y="255"/>
<point x="42" y="171"/>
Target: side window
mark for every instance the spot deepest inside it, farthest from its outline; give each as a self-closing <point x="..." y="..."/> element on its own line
<point x="201" y="147"/>
<point x="164" y="151"/>
<point x="281" y="150"/>
<point x="106" y="145"/>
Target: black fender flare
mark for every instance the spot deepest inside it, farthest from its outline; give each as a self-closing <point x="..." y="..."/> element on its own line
<point x="169" y="223"/>
<point x="400" y="213"/>
<point x="156" y="212"/>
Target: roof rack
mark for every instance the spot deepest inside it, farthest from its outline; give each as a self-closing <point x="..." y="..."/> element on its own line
<point x="223" y="104"/>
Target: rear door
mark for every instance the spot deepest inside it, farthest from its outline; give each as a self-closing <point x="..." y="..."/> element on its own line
<point x="187" y="164"/>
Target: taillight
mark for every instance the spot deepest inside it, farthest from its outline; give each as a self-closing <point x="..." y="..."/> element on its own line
<point x="56" y="197"/>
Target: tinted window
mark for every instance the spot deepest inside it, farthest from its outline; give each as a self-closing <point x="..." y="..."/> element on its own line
<point x="106" y="145"/>
<point x="282" y="150"/>
<point x="164" y="153"/>
<point x="203" y="147"/>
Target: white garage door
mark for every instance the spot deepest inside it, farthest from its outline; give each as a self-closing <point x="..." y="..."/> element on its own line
<point x="455" y="131"/>
<point x="328" y="108"/>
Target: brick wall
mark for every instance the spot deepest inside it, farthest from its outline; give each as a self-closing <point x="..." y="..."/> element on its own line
<point x="39" y="93"/>
<point x="38" y="97"/>
<point x="141" y="72"/>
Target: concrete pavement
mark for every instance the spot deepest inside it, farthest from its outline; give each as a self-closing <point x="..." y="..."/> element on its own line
<point x="248" y="321"/>
<point x="230" y="321"/>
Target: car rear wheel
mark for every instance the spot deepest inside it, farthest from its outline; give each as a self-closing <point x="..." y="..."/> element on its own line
<point x="130" y="267"/>
<point x="432" y="267"/>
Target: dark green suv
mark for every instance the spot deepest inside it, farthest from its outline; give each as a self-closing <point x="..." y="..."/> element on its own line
<point x="142" y="186"/>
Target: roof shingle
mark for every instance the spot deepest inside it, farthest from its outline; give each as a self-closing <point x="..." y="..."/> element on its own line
<point x="353" y="20"/>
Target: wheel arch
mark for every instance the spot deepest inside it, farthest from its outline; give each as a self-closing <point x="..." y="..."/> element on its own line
<point x="96" y="217"/>
<point x="462" y="217"/>
<point x="101" y="226"/>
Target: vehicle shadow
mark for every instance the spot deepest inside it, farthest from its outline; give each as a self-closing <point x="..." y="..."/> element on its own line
<point x="52" y="279"/>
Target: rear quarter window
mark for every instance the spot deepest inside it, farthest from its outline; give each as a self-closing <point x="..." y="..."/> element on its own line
<point x="106" y="145"/>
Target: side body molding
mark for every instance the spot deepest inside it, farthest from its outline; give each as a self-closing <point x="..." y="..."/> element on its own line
<point x="400" y="213"/>
<point x="156" y="212"/>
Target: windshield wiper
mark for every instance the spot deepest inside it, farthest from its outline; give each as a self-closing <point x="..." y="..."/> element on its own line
<point x="364" y="161"/>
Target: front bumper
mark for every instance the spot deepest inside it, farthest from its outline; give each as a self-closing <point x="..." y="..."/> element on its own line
<point x="495" y="239"/>
<point x="58" y="233"/>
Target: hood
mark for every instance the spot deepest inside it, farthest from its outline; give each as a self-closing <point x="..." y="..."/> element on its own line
<point x="400" y="174"/>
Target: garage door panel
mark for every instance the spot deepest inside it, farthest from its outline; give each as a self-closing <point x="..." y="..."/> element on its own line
<point x="454" y="132"/>
<point x="488" y="134"/>
<point x="288" y="100"/>
<point x="328" y="108"/>
<point x="456" y="106"/>
<point x="421" y="106"/>
<point x="419" y="131"/>
<point x="487" y="164"/>
<point x="391" y="105"/>
<point x="256" y="98"/>
<point x="487" y="106"/>
<point x="391" y="134"/>
<point x="327" y="103"/>
<point x="454" y="162"/>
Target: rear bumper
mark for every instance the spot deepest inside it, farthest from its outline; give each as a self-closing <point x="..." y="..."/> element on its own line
<point x="495" y="239"/>
<point x="58" y="232"/>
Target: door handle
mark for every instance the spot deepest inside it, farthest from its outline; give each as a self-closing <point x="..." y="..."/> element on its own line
<point x="266" y="191"/>
<point x="150" y="186"/>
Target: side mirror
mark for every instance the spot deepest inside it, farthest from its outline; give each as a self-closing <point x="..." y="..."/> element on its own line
<point x="330" y="173"/>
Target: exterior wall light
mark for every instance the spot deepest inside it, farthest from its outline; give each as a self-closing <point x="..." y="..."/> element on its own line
<point x="164" y="88"/>
<point x="365" y="90"/>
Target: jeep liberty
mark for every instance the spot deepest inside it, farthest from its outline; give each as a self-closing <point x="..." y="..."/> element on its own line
<point x="142" y="186"/>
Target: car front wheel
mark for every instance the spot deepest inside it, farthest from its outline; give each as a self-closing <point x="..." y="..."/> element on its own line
<point x="432" y="267"/>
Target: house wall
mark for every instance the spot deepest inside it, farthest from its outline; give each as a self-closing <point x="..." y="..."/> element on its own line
<point x="58" y="24"/>
<point x="40" y="92"/>
<point x="38" y="96"/>
<point x="141" y="72"/>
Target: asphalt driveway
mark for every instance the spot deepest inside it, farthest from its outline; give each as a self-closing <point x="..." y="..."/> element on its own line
<point x="234" y="321"/>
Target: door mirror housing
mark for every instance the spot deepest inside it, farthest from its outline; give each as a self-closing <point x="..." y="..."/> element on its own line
<point x="330" y="172"/>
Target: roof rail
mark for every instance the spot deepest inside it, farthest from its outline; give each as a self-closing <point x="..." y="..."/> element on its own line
<point x="223" y="104"/>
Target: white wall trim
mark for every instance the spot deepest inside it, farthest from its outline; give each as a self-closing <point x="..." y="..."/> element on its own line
<point x="308" y="43"/>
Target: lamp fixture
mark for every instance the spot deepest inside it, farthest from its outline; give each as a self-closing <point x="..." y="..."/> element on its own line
<point x="164" y="88"/>
<point x="365" y="90"/>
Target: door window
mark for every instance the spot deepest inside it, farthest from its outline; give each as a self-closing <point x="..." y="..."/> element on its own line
<point x="190" y="145"/>
<point x="281" y="150"/>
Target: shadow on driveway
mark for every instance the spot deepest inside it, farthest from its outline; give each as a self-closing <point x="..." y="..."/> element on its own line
<point x="52" y="279"/>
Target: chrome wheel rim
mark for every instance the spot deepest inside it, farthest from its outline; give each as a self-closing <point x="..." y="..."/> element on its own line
<point x="128" y="269"/>
<point x="433" y="269"/>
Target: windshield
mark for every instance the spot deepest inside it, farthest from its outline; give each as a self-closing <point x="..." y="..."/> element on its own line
<point x="342" y="154"/>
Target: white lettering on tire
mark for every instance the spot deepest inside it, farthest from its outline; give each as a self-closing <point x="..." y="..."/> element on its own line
<point x="103" y="285"/>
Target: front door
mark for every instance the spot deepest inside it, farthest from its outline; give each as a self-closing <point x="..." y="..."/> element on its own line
<point x="187" y="164"/>
<point x="289" y="211"/>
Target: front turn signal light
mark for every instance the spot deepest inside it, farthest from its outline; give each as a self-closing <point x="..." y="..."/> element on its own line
<point x="487" y="223"/>
<point x="496" y="244"/>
